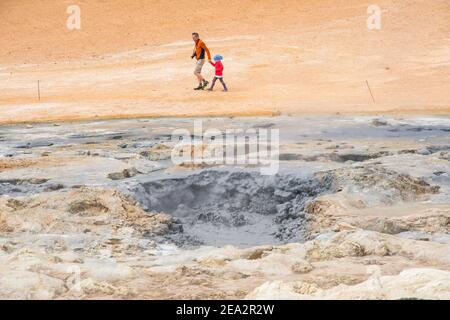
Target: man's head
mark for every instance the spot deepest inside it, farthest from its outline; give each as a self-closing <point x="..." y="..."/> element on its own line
<point x="195" y="36"/>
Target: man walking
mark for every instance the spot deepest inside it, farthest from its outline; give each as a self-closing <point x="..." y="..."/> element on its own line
<point x="199" y="53"/>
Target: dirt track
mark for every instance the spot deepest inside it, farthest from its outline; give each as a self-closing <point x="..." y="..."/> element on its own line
<point x="289" y="57"/>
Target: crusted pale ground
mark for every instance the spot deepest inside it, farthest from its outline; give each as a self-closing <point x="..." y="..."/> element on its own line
<point x="289" y="57"/>
<point x="70" y="227"/>
<point x="96" y="243"/>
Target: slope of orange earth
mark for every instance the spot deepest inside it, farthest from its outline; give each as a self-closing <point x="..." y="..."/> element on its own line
<point x="132" y="58"/>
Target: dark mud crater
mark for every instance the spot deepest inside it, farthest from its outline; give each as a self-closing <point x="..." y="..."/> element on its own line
<point x="231" y="207"/>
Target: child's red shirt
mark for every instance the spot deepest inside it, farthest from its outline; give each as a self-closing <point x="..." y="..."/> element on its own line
<point x="219" y="68"/>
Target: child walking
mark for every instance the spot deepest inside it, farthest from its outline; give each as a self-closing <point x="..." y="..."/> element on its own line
<point x="218" y="73"/>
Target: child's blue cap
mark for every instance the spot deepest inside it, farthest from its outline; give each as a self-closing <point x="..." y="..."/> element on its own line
<point x="218" y="57"/>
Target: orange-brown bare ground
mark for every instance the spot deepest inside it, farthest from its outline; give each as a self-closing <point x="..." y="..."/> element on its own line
<point x="132" y="58"/>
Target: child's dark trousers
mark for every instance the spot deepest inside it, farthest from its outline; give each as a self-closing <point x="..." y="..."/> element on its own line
<point x="221" y="81"/>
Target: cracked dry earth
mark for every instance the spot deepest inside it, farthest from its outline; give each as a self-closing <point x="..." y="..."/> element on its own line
<point x="360" y="209"/>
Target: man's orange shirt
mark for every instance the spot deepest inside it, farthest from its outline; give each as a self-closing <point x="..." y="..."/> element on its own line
<point x="200" y="49"/>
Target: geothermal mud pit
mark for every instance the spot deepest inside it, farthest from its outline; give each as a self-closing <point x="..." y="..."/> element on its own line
<point x="98" y="210"/>
<point x="234" y="207"/>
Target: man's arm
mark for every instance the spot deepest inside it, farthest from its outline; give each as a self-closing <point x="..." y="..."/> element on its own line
<point x="193" y="52"/>
<point x="207" y="51"/>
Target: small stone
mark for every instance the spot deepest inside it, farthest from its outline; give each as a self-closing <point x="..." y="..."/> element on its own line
<point x="54" y="187"/>
<point x="302" y="266"/>
<point x="127" y="173"/>
<point x="379" y="123"/>
<point x="282" y="193"/>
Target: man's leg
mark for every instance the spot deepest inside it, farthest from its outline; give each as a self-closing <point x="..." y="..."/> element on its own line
<point x="198" y="73"/>
<point x="202" y="83"/>
<point x="199" y="77"/>
<point x="205" y="82"/>
<point x="223" y="84"/>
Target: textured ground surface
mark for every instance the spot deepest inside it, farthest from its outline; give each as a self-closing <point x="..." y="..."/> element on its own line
<point x="360" y="208"/>
<point x="289" y="57"/>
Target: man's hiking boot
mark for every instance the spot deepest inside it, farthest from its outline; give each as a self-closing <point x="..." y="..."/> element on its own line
<point x="200" y="87"/>
<point x="205" y="84"/>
